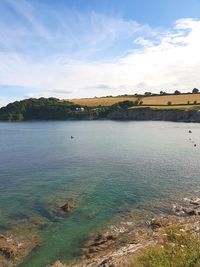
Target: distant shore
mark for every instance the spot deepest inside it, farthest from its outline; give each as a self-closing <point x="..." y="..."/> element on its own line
<point x="181" y="107"/>
<point x="156" y="114"/>
<point x="137" y="114"/>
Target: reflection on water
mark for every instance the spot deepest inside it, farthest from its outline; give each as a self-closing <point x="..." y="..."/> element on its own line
<point x="109" y="167"/>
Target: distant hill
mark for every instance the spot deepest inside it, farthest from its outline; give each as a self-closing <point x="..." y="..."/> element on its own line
<point x="94" y="108"/>
<point x="38" y="109"/>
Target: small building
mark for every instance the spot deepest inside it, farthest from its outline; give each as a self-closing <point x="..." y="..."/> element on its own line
<point x="80" y="109"/>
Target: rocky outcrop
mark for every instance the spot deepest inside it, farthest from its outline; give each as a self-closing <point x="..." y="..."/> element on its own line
<point x="68" y="206"/>
<point x="117" y="246"/>
<point x="145" y="114"/>
<point x="8" y="247"/>
<point x="58" y="264"/>
<point x="191" y="207"/>
<point x="100" y="242"/>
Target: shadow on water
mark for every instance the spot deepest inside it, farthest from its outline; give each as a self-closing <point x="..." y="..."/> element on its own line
<point x="43" y="212"/>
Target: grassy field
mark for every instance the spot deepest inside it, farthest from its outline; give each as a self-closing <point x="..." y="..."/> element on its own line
<point x="175" y="99"/>
<point x="182" y="107"/>
<point x="103" y="101"/>
<point x="152" y="100"/>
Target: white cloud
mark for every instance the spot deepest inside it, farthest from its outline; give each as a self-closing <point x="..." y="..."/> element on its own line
<point x="164" y="60"/>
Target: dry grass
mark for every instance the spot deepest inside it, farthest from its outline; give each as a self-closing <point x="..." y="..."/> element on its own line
<point x="181" y="107"/>
<point x="175" y="99"/>
<point x="103" y="101"/>
<point x="153" y="100"/>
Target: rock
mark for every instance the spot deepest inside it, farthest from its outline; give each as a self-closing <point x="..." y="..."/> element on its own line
<point x="68" y="207"/>
<point x="58" y="264"/>
<point x="195" y="201"/>
<point x="159" y="222"/>
<point x="99" y="243"/>
<point x="111" y="237"/>
<point x="189" y="211"/>
<point x="106" y="263"/>
<point x="7" y="247"/>
<point x="197" y="211"/>
<point x="191" y="208"/>
<point x="177" y="208"/>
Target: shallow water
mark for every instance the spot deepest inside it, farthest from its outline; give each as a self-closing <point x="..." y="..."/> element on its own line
<point x="109" y="167"/>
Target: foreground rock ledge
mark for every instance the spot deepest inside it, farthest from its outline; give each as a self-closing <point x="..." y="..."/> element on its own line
<point x="118" y="245"/>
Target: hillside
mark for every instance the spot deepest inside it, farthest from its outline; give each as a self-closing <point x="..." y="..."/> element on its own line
<point x="102" y="101"/>
<point x="147" y="100"/>
<point x="38" y="109"/>
<point x="169" y="107"/>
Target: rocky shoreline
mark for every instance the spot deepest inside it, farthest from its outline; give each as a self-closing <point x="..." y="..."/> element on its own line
<point x="116" y="245"/>
<point x="119" y="244"/>
<point x="146" y="114"/>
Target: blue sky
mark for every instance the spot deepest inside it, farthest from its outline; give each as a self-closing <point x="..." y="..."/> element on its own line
<point x="86" y="48"/>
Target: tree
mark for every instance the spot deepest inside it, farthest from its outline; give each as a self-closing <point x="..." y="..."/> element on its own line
<point x="195" y="102"/>
<point x="177" y="92"/>
<point x="195" y="91"/>
<point x="147" y="93"/>
<point x="163" y="93"/>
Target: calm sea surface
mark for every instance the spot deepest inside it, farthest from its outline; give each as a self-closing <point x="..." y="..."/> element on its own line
<point x="108" y="168"/>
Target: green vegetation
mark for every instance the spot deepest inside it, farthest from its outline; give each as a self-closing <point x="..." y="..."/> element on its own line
<point x="179" y="249"/>
<point x="38" y="109"/>
<point x="123" y="105"/>
<point x="195" y="91"/>
<point x="48" y="109"/>
<point x="55" y="109"/>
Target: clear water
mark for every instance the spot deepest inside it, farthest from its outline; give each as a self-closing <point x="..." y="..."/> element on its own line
<point x="110" y="166"/>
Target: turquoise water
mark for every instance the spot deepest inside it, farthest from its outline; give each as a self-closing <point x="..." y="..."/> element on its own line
<point x="109" y="167"/>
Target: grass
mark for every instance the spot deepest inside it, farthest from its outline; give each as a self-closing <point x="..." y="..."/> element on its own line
<point x="181" y="107"/>
<point x="102" y="101"/>
<point x="175" y="99"/>
<point x="152" y="100"/>
<point x="179" y="249"/>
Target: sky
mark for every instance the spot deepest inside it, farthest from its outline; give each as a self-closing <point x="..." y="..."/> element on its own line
<point x="86" y="48"/>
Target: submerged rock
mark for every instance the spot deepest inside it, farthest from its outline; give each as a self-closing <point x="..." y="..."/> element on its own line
<point x="58" y="264"/>
<point x="7" y="247"/>
<point x="68" y="207"/>
<point x="99" y="243"/>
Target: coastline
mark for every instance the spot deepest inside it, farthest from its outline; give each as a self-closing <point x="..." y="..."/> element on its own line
<point x="148" y="114"/>
<point x="121" y="243"/>
<point x="118" y="243"/>
<point x="136" y="114"/>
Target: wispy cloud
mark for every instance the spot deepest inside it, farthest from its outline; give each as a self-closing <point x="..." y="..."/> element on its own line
<point x="81" y="55"/>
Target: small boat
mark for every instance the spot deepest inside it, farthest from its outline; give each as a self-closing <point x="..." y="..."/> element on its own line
<point x="72" y="137"/>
